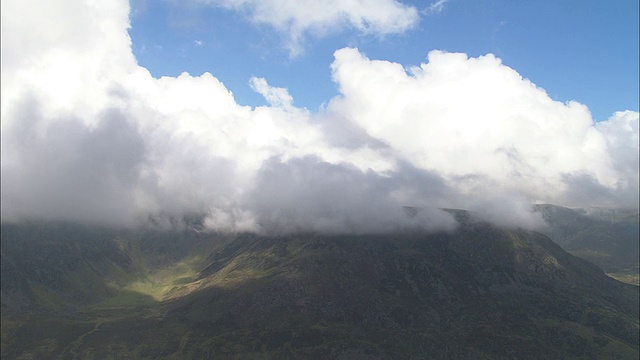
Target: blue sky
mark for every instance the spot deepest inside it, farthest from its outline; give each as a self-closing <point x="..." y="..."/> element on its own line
<point x="576" y="50"/>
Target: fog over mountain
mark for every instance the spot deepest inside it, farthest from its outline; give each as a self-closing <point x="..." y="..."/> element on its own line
<point x="89" y="135"/>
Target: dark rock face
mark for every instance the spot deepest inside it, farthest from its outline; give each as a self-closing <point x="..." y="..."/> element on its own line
<point x="479" y="292"/>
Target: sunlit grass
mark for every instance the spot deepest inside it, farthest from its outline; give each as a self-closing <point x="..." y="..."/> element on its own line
<point x="125" y="299"/>
<point x="633" y="279"/>
<point x="153" y="287"/>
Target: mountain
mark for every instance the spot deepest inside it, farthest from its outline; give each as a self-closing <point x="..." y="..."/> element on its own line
<point x="608" y="238"/>
<point x="71" y="291"/>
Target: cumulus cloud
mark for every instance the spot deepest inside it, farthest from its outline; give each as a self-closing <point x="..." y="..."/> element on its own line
<point x="88" y="135"/>
<point x="61" y="170"/>
<point x="277" y="97"/>
<point x="296" y="19"/>
<point x="483" y="127"/>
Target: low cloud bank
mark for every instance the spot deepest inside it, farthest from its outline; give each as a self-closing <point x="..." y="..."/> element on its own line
<point x="88" y="135"/>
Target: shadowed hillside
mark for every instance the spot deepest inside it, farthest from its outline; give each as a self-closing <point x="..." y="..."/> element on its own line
<point x="479" y="292"/>
<point x="608" y="238"/>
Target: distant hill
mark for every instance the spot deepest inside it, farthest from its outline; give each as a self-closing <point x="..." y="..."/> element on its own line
<point x="609" y="238"/>
<point x="71" y="291"/>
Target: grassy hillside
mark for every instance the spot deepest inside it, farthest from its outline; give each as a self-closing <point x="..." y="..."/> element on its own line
<point x="481" y="292"/>
<point x="608" y="238"/>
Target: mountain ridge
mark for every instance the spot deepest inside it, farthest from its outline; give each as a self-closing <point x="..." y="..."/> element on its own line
<point x="479" y="291"/>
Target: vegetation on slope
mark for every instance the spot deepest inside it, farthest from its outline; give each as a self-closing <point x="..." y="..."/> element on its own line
<point x="478" y="292"/>
<point x="605" y="237"/>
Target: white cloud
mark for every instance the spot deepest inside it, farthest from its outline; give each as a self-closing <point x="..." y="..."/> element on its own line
<point x="277" y="97"/>
<point x="621" y="133"/>
<point x="476" y="118"/>
<point x="436" y="7"/>
<point x="296" y="19"/>
<point x="70" y="61"/>
<point x="89" y="135"/>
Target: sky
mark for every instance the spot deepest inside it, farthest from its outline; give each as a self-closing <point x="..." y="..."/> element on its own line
<point x="585" y="51"/>
<point x="330" y="116"/>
